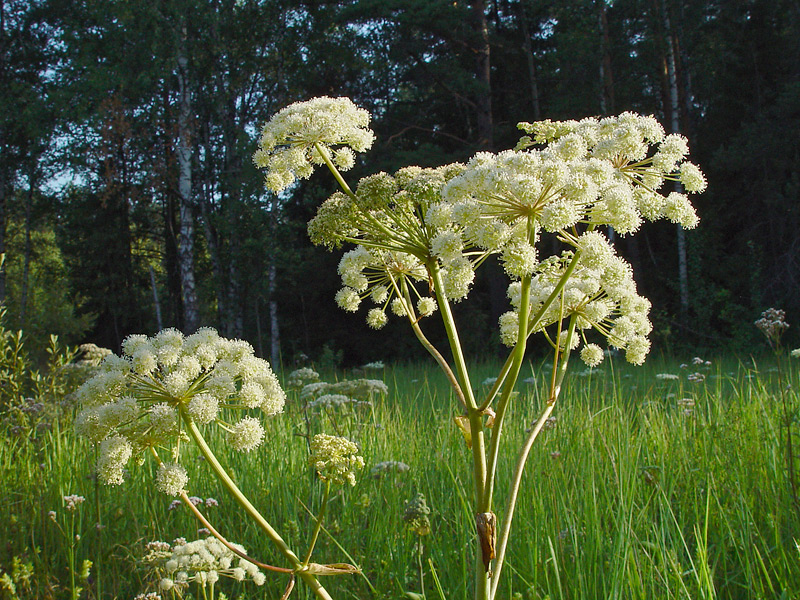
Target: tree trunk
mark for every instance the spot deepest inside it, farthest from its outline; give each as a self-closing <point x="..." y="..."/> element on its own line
<point x="274" y="328"/>
<point x="482" y="51"/>
<point x="607" y="103"/>
<point x="26" y="256"/>
<point x="212" y="239"/>
<point x="2" y="237"/>
<point x="191" y="312"/>
<point x="156" y="303"/>
<point x="675" y="125"/>
<point x="529" y="58"/>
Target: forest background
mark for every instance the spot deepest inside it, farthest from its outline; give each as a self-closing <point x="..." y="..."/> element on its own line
<point x="129" y="203"/>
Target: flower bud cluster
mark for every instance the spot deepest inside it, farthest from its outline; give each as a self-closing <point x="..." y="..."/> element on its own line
<point x="138" y="400"/>
<point x="335" y="459"/>
<point x="417" y="515"/>
<point x="292" y="142"/>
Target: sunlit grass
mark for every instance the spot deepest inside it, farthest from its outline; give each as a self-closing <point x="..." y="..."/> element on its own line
<point x="635" y="492"/>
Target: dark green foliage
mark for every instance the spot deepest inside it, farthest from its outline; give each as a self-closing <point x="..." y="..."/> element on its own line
<point x="93" y="92"/>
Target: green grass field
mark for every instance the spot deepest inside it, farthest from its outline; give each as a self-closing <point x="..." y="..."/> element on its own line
<point x="635" y="492"/>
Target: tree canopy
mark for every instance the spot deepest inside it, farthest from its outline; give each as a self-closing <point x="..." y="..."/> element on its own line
<point x="129" y="202"/>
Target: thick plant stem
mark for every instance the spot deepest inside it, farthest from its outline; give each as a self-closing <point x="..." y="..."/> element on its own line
<point x="482" y="582"/>
<point x="518" y="356"/>
<point x="251" y="510"/>
<point x="522" y="459"/>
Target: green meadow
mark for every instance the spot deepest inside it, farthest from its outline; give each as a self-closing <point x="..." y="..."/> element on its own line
<point x="647" y="484"/>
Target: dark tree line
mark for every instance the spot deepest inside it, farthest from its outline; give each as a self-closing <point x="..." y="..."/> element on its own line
<point x="128" y="201"/>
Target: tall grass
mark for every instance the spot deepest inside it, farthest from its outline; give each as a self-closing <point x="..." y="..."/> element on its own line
<point x="630" y="495"/>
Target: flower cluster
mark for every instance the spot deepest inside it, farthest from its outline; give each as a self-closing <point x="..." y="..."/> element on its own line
<point x="388" y="218"/>
<point x="335" y="459"/>
<point x="73" y="501"/>
<point x="600" y="293"/>
<point x="139" y="400"/>
<point x="434" y="227"/>
<point x="772" y="324"/>
<point x="300" y="377"/>
<point x="354" y="389"/>
<point x="388" y="466"/>
<point x="202" y="561"/>
<point x="305" y="134"/>
<point x="329" y="401"/>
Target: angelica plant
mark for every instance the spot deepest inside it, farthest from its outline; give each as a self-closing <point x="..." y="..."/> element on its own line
<point x="161" y="394"/>
<point x="420" y="235"/>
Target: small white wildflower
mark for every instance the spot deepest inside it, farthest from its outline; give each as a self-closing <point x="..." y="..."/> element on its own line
<point x="73" y="501"/>
<point x="667" y="376"/>
<point x="376" y="318"/>
<point x="171" y="478"/>
<point x="246" y="435"/>
<point x="335" y="458"/>
<point x="388" y="466"/>
<point x="426" y="306"/>
<point x="592" y="355"/>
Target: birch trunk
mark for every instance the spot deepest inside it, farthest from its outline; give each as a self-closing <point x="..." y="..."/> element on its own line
<point x="607" y="101"/>
<point x="26" y="257"/>
<point x="674" y="107"/>
<point x="274" y="328"/>
<point x="191" y="313"/>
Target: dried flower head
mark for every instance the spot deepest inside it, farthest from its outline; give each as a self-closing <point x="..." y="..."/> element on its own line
<point x="772" y="324"/>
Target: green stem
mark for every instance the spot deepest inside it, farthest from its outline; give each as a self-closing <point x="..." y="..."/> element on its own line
<point x="318" y="525"/>
<point x="251" y="510"/>
<point x="517" y="356"/>
<point x="482" y="583"/>
<point x="421" y="570"/>
<point x="501" y="377"/>
<point x="98" y="555"/>
<point x="71" y="557"/>
<point x="522" y="459"/>
<point x="403" y="293"/>
<point x="332" y="168"/>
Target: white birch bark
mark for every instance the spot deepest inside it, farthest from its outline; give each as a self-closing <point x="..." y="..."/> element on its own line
<point x="191" y="313"/>
<point x="672" y="76"/>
